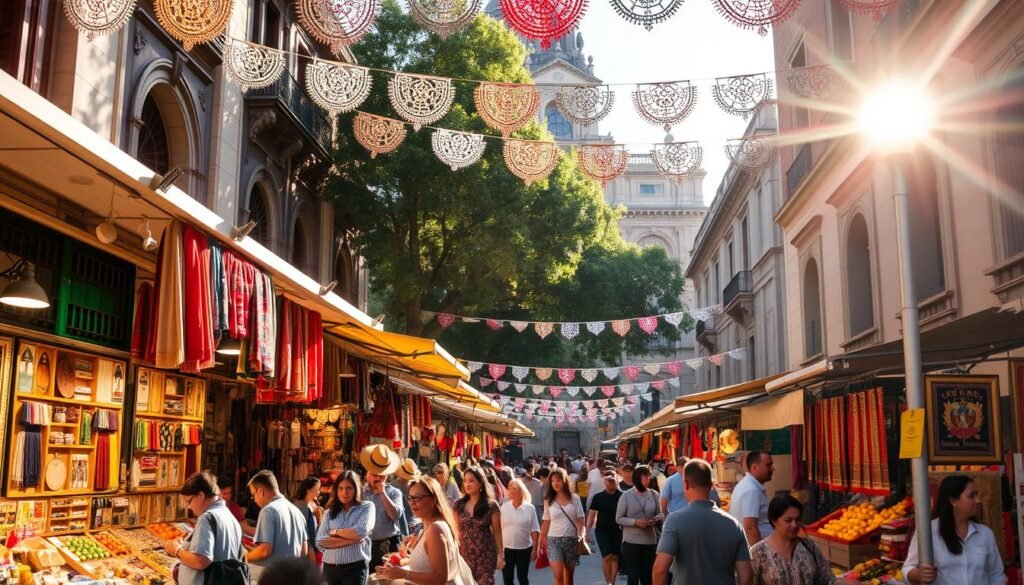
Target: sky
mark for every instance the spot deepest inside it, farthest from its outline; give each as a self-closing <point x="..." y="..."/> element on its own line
<point x="696" y="43"/>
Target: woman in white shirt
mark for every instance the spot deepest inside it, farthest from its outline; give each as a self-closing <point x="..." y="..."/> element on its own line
<point x="562" y="529"/>
<point x="965" y="551"/>
<point x="435" y="553"/>
<point x="519" y="532"/>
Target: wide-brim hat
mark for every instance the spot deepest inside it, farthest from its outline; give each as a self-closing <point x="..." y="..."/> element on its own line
<point x="408" y="470"/>
<point x="379" y="459"/>
<point x="728" y="441"/>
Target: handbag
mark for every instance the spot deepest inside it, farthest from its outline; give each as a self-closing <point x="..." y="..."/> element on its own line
<point x="582" y="548"/>
<point x="542" y="560"/>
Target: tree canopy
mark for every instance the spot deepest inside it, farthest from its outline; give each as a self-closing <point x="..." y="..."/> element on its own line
<point x="477" y="240"/>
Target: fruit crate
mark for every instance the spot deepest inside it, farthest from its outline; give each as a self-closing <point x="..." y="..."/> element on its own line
<point x="813" y="529"/>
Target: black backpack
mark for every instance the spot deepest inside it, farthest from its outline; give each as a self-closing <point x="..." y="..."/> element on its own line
<point x="228" y="572"/>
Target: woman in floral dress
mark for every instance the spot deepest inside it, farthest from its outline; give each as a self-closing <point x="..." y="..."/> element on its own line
<point x="784" y="558"/>
<point x="479" y="521"/>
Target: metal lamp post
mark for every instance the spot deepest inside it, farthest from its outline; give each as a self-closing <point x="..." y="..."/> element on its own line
<point x="895" y="118"/>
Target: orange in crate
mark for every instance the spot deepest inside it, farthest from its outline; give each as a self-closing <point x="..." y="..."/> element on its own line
<point x="856" y="524"/>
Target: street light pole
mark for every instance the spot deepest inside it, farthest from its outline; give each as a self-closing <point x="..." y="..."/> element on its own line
<point x="912" y="355"/>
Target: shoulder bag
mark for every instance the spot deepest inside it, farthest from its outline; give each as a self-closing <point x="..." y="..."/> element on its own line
<point x="226" y="572"/>
<point x="582" y="548"/>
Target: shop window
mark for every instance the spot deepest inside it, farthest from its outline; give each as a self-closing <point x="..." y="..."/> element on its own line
<point x="1008" y="152"/>
<point x="559" y="127"/>
<point x="154" y="150"/>
<point x="266" y="24"/>
<point x="812" y="310"/>
<point x="859" y="302"/>
<point x="925" y="227"/>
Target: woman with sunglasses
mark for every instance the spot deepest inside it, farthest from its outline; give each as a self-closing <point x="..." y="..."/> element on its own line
<point x="434" y="559"/>
<point x="217" y="536"/>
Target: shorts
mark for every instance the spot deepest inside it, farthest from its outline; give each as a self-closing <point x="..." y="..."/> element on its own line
<point x="563" y="549"/>
<point x="609" y="542"/>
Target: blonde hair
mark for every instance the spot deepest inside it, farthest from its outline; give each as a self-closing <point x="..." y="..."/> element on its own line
<point x="522" y="489"/>
<point x="441" y="506"/>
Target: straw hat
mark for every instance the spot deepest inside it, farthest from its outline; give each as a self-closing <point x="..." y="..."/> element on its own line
<point x="379" y="459"/>
<point x="728" y="441"/>
<point x="408" y="470"/>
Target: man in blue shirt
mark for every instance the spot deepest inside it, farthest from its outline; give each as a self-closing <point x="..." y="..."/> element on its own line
<point x="281" y="528"/>
<point x="388" y="506"/>
<point x="750" y="498"/>
<point x="673" y="496"/>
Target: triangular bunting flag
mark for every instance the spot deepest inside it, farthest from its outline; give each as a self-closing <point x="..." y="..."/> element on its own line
<point x="470" y="320"/>
<point x="674" y="367"/>
<point x="494" y="324"/>
<point x="520" y="388"/>
<point x="610" y="373"/>
<point x="566" y="375"/>
<point x="502" y="386"/>
<point x="621" y="327"/>
<point x="520" y="403"/>
<point x="427" y="316"/>
<point x="648" y="396"/>
<point x="618" y="401"/>
<point x="626" y="388"/>
<point x="572" y="390"/>
<point x="445" y="320"/>
<point x="608" y="390"/>
<point x="639" y="386"/>
<point x="652" y="368"/>
<point x="632" y="399"/>
<point x="658" y="385"/>
<point x="474" y="366"/>
<point x="537" y="389"/>
<point x="519" y="326"/>
<point x="674" y="318"/>
<point x="716" y="359"/>
<point x="695" y="363"/>
<point x="496" y="370"/>
<point x="603" y="403"/>
<point x="542" y="373"/>
<point x="739" y="353"/>
<point x="485" y="382"/>
<point x="596" y="327"/>
<point x="632" y="372"/>
<point x="589" y="390"/>
<point x="569" y="330"/>
<point x="555" y="391"/>
<point x="673" y="382"/>
<point x="519" y="372"/>
<point x="589" y="374"/>
<point x="648" y="324"/>
<point x="543" y="329"/>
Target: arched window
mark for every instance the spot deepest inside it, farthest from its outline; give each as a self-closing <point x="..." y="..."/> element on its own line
<point x="300" y="248"/>
<point x="559" y="127"/>
<point x="153" y="151"/>
<point x="653" y="241"/>
<point x="812" y="310"/>
<point x="345" y="273"/>
<point x="925" y="228"/>
<point x="859" y="301"/>
<point x="1008" y="153"/>
<point x="259" y="212"/>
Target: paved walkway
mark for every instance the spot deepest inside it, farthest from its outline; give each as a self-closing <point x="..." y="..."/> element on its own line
<point x="588" y="573"/>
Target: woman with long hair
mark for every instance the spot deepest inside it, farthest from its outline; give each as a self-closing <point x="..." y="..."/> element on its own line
<point x="639" y="514"/>
<point x="965" y="550"/>
<point x="304" y="499"/>
<point x="434" y="559"/>
<point x="344" y="535"/>
<point x="519" y="532"/>
<point x="499" y="491"/>
<point x="479" y="527"/>
<point x="562" y="529"/>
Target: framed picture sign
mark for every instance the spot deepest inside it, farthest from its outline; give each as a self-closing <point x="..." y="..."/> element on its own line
<point x="963" y="419"/>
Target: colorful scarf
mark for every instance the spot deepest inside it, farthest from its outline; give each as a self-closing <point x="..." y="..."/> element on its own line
<point x="199" y="344"/>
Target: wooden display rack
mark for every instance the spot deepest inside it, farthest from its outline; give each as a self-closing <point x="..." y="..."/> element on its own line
<point x="72" y="381"/>
<point x="167" y="398"/>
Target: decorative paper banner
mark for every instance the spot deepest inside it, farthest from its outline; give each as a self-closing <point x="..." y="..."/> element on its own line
<point x="632" y="399"/>
<point x="676" y="161"/>
<point x="674" y="368"/>
<point x="610" y="373"/>
<point x="543" y="329"/>
<point x="336" y="87"/>
<point x="502" y="386"/>
<point x="252" y="66"/>
<point x="658" y="385"/>
<point x="191" y="22"/>
<point x="459" y="150"/>
<point x="531" y="160"/>
<point x="618" y="401"/>
<point x="496" y="370"/>
<point x="506" y="106"/>
<point x="751" y="153"/>
<point x="566" y="375"/>
<point x="337" y="23"/>
<point x="381" y="135"/>
<point x="716" y="359"/>
<point x="813" y="83"/>
<point x="756" y="14"/>
<point x="665" y="104"/>
<point x="604" y="163"/>
<point x="98" y="18"/>
<point x="569" y="330"/>
<point x="646" y="12"/>
<point x="621" y="327"/>
<point x="444" y="17"/>
<point x="589" y="374"/>
<point x="420" y="99"/>
<point x="631" y="372"/>
<point x="595" y="327"/>
<point x="695" y="363"/>
<point x="652" y="368"/>
<point x="742" y="95"/>
<point x="543" y="21"/>
<point x="519" y="372"/>
<point x="868" y="6"/>
<point x="493" y="325"/>
<point x="585" y="105"/>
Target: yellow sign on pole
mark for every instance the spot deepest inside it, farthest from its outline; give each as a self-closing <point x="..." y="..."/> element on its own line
<point x="911" y="433"/>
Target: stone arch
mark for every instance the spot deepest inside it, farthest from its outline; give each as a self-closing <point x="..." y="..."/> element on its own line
<point x="654" y="239"/>
<point x="174" y="103"/>
<point x="302" y="240"/>
<point x="860" y="303"/>
<point x="812" y="317"/>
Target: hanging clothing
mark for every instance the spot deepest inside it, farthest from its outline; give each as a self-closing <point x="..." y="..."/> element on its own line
<point x="240" y="277"/>
<point x="262" y="344"/>
<point x="198" y="334"/>
<point x="314" y="356"/>
<point x="218" y="292"/>
<point x="144" y="323"/>
<point x="169" y="350"/>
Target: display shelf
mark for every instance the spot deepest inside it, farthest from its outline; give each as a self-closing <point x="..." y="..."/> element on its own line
<point x="174" y="417"/>
<point x="72" y="401"/>
<point x="56" y="447"/>
<point x="174" y="404"/>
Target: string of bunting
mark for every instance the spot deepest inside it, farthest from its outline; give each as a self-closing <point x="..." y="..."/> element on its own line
<point x="572" y="392"/>
<point x="571" y="329"/>
<point x="341" y="23"/>
<point x="632" y="372"/>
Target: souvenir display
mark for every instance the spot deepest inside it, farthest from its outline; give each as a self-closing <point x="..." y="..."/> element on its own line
<point x="168" y="430"/>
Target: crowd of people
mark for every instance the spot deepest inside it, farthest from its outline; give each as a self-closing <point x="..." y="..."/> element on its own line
<point x="462" y="524"/>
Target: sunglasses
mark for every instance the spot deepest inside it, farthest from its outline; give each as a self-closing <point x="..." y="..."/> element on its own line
<point x="418" y="498"/>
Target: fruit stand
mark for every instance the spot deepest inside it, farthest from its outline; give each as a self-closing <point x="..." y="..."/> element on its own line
<point x="850" y="536"/>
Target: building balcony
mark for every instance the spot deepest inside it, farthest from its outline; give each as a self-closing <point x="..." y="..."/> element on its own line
<point x="738" y="296"/>
<point x="292" y="101"/>
<point x="799" y="170"/>
<point x="706" y="334"/>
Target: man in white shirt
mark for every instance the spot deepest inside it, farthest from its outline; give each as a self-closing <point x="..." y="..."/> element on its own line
<point x="595" y="480"/>
<point x="749" y="502"/>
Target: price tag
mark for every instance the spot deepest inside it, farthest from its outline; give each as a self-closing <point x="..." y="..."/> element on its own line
<point x="911" y="433"/>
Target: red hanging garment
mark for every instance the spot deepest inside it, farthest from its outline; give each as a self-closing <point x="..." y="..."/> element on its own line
<point x="315" y="356"/>
<point x="143" y="329"/>
<point x="198" y="316"/>
<point x="240" y="275"/>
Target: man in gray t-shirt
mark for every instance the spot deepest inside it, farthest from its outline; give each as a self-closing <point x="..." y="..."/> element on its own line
<point x="707" y="544"/>
<point x="281" y="528"/>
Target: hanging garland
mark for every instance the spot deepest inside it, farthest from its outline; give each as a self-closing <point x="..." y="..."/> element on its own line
<point x="813" y="83"/>
<point x="457" y="149"/>
<point x="570" y="329"/>
<point x="193" y="22"/>
<point x="677" y="160"/>
<point x="756" y="14"/>
<point x="420" y="99"/>
<point x="632" y="372"/>
<point x="506" y="107"/>
<point x="252" y="66"/>
<point x="742" y="95"/>
<point x="751" y="153"/>
<point x="868" y="6"/>
<point x="336" y="87"/>
<point x="602" y="163"/>
<point x="646" y="12"/>
<point x="98" y="17"/>
<point x="665" y="104"/>
<point x="444" y="17"/>
<point x="530" y="160"/>
<point x="337" y="23"/>
<point x="378" y="134"/>
<point x="585" y="105"/>
<point x="543" y="21"/>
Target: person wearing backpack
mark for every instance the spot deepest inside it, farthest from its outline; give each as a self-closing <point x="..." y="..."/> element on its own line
<point x="213" y="552"/>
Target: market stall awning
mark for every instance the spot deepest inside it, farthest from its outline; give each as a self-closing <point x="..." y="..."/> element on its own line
<point x="491" y="421"/>
<point x="741" y="390"/>
<point x="665" y="417"/>
<point x="629" y="433"/>
<point x="777" y="412"/>
<point x="421" y="357"/>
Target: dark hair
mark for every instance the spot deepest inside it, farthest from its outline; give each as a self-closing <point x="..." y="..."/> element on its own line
<point x="638" y="473"/>
<point x="543" y="472"/>
<point x="293" y="571"/>
<point x="755" y="457"/>
<point x="303" y="488"/>
<point x="551" y="493"/>
<point x="951" y="488"/>
<point x="334" y="504"/>
<point x="628" y="468"/>
<point x="265" y="479"/>
<point x="780" y="504"/>
<point x="681" y="460"/>
<point x="201" y="482"/>
<point x="531" y="467"/>
<point x="224" y="482"/>
<point x="483" y="503"/>
<point x="697" y="473"/>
